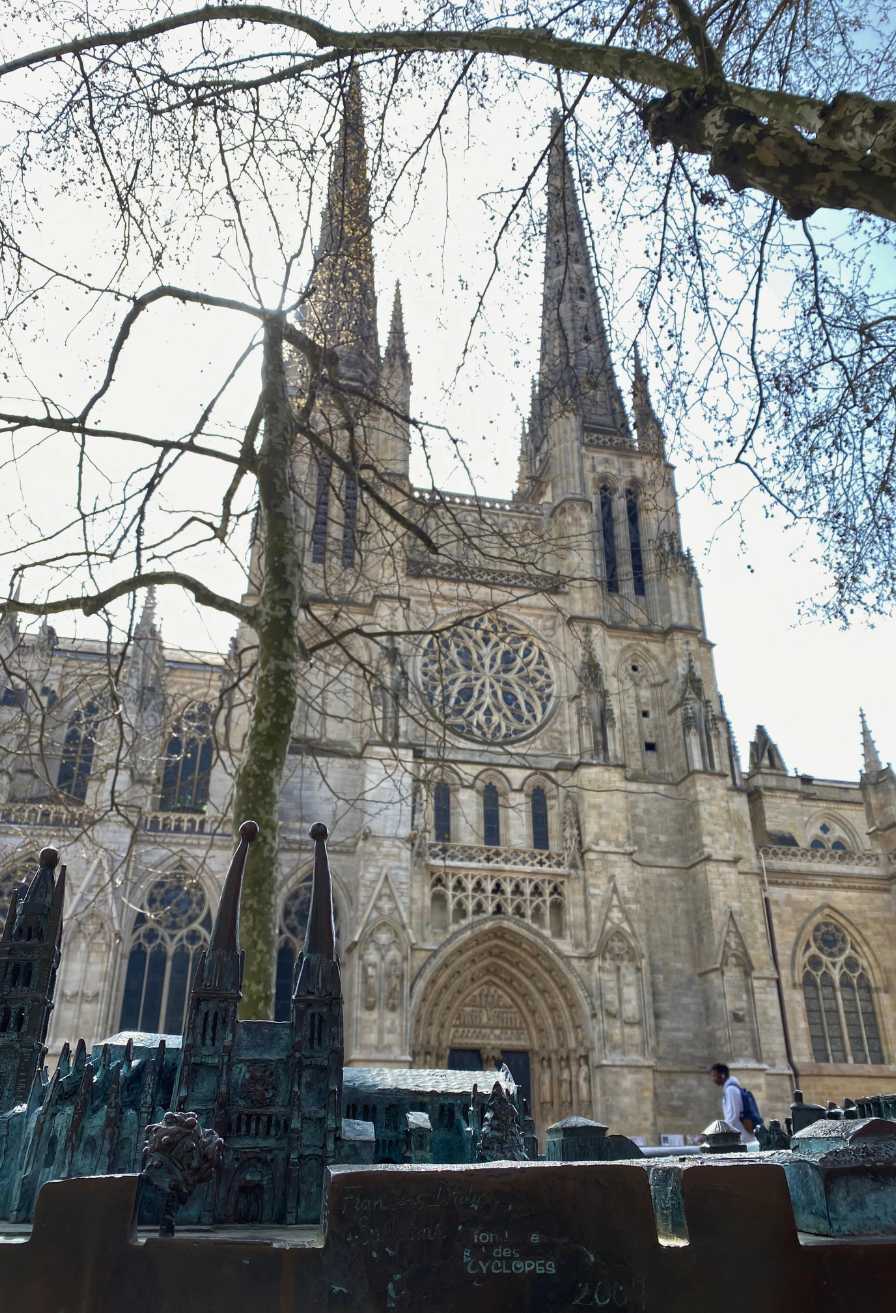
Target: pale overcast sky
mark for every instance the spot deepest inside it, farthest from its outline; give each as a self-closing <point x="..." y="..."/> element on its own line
<point x="805" y="682"/>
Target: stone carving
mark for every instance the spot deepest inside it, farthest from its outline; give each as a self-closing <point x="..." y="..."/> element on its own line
<point x="370" y="983"/>
<point x="737" y="993"/>
<point x="501" y="1138"/>
<point x="572" y="834"/>
<point x="597" y="722"/>
<point x="393" y="693"/>
<point x="488" y="1012"/>
<point x="393" y="984"/>
<point x="545" y="1086"/>
<point x="468" y="895"/>
<point x="584" y="1082"/>
<point x="621" y="996"/>
<point x="487" y="679"/>
<point x="177" y="1157"/>
<point x="565" y="1083"/>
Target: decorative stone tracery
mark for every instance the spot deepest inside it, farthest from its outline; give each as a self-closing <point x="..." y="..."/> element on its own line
<point x="457" y="897"/>
<point x="487" y="679"/>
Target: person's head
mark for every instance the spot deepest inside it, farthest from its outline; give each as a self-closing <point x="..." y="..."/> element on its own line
<point x="719" y="1072"/>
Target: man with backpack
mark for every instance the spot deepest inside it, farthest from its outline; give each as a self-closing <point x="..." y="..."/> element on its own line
<point x="739" y="1108"/>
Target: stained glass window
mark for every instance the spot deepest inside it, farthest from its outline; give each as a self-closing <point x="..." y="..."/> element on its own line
<point x="487" y="679"/>
<point x="187" y="763"/>
<point x="634" y="541"/>
<point x="170" y="930"/>
<point x="78" y="748"/>
<point x="491" y="816"/>
<point x="608" y="530"/>
<point x="839" y="999"/>
<point x="350" y="520"/>
<point x="321" y="512"/>
<point x="442" y="810"/>
<point x="539" y="804"/>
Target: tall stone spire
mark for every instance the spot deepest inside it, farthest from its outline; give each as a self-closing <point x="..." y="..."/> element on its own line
<point x="143" y="688"/>
<point x="575" y="370"/>
<point x="396" y="352"/>
<point x="870" y="754"/>
<point x="651" y="438"/>
<point x="341" y="310"/>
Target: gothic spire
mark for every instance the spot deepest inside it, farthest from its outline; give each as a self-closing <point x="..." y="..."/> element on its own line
<point x="341" y="309"/>
<point x="396" y="347"/>
<point x="318" y="970"/>
<point x="222" y="967"/>
<point x="575" y="368"/>
<point x="146" y="625"/>
<point x="651" y="438"/>
<point x="870" y="754"/>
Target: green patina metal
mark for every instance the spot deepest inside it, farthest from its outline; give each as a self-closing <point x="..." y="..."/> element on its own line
<point x="276" y="1092"/>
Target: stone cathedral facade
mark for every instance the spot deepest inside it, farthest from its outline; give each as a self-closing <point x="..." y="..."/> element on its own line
<point x="546" y="851"/>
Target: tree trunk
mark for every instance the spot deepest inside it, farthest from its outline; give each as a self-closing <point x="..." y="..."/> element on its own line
<point x="257" y="791"/>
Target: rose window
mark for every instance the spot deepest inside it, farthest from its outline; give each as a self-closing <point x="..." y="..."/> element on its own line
<point x="487" y="679"/>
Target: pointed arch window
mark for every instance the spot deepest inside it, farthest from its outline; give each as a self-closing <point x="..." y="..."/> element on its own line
<point x="608" y="531"/>
<point x="169" y="932"/>
<point x="290" y="941"/>
<point x="350" y="518"/>
<point x="634" y="540"/>
<point x="538" y="802"/>
<point x="187" y="763"/>
<point x="491" y="816"/>
<point x="321" y="512"/>
<point x="442" y="812"/>
<point x="839" y="998"/>
<point x="78" y="747"/>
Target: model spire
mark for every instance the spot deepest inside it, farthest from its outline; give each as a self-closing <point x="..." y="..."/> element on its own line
<point x="575" y="368"/>
<point x="650" y="434"/>
<point x="870" y="754"/>
<point x="222" y="967"/>
<point x="318" y="968"/>
<point x="341" y="309"/>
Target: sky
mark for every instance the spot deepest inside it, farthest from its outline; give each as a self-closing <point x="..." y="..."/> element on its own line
<point x="803" y="680"/>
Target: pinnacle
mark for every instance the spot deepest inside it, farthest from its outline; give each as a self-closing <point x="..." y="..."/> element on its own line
<point x="147" y="622"/>
<point x="647" y="426"/>
<point x="396" y="346"/>
<point x="870" y="754"/>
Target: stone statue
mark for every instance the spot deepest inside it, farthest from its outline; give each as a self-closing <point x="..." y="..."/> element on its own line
<point x="179" y="1155"/>
<point x="584" y="1084"/>
<point x="565" y="1083"/>
<point x="394" y="688"/>
<point x="572" y="834"/>
<point x="544" y="1088"/>
<point x="501" y="1138"/>
<point x="370" y="974"/>
<point x="393" y="985"/>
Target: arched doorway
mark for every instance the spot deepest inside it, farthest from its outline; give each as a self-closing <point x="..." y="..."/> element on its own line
<point x="498" y="991"/>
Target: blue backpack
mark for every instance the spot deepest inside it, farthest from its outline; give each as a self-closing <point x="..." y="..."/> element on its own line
<point x="750" y="1111"/>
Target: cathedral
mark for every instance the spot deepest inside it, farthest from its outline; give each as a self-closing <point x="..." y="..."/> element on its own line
<point x="546" y="850"/>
